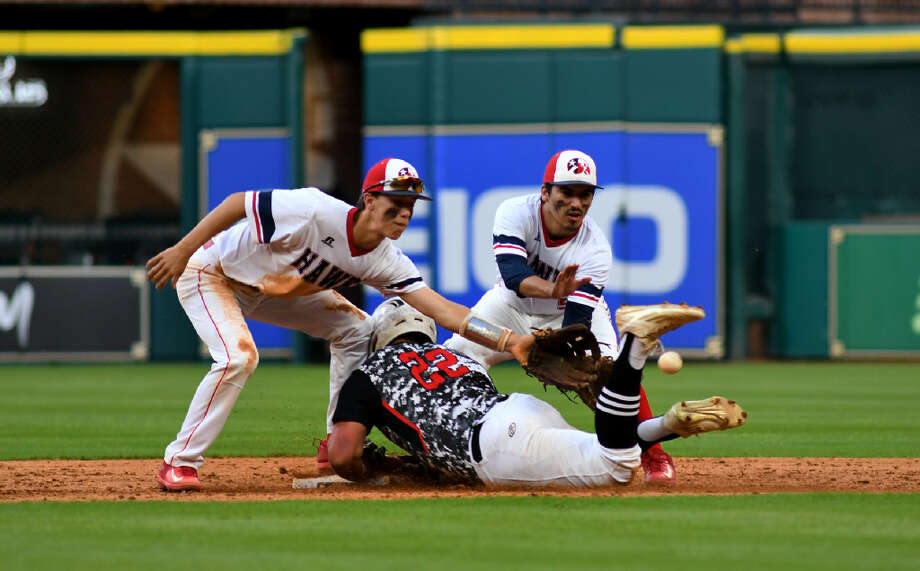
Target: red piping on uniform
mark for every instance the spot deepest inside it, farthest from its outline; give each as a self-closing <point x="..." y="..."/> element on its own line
<point x="497" y="246"/>
<point x="550" y="243"/>
<point x="409" y="423"/>
<point x="255" y="214"/>
<point x="349" y="231"/>
<point x="224" y="374"/>
<point x="584" y="295"/>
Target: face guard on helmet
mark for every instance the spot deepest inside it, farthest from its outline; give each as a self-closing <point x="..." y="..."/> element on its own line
<point x="394" y="318"/>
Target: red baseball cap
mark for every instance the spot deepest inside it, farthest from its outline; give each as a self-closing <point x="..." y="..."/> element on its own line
<point x="571" y="167"/>
<point x="394" y="177"/>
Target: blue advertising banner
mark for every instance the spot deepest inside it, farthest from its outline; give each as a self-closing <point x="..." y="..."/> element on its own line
<point x="660" y="209"/>
<point x="237" y="160"/>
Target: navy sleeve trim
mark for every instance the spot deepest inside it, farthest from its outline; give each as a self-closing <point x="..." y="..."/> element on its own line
<point x="266" y="218"/>
<point x="404" y="283"/>
<point x="514" y="270"/>
<point x="506" y="239"/>
<point x="591" y="289"/>
<point x="577" y="313"/>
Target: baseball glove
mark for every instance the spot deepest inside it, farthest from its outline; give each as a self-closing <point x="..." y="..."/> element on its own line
<point x="566" y="359"/>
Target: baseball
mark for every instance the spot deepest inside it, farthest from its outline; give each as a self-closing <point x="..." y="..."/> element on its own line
<point x="670" y="362"/>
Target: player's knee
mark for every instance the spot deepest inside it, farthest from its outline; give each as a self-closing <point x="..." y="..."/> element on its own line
<point x="245" y="359"/>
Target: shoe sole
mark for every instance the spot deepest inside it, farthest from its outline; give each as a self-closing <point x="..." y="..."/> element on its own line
<point x="178" y="487"/>
<point x="688" y="418"/>
<point x="650" y="322"/>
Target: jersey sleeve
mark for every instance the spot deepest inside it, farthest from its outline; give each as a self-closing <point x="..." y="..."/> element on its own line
<point x="359" y="401"/>
<point x="274" y="215"/>
<point x="509" y="244"/>
<point x="509" y="231"/>
<point x="398" y="276"/>
<point x="597" y="267"/>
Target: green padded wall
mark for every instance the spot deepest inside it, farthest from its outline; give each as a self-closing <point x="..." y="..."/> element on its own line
<point x="396" y="89"/>
<point x="493" y="86"/>
<point x="241" y="92"/>
<point x="800" y="326"/>
<point x="853" y="145"/>
<point x="673" y="85"/>
<point x="876" y="279"/>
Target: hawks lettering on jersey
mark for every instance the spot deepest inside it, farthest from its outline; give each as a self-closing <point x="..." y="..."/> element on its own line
<point x="436" y="397"/>
<point x="519" y="231"/>
<point x="299" y="242"/>
<point x="334" y="278"/>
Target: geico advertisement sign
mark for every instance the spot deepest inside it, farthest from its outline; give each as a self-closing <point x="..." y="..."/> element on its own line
<point x="661" y="274"/>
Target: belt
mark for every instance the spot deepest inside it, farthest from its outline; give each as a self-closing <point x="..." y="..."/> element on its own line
<point x="474" y="443"/>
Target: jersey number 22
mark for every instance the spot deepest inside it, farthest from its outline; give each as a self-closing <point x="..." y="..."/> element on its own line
<point x="447" y="364"/>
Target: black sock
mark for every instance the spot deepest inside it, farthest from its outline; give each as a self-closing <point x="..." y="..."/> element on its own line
<point x="617" y="415"/>
<point x="645" y="444"/>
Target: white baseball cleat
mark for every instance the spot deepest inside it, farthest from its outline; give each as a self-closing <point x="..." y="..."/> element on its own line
<point x="649" y="322"/>
<point x="690" y="417"/>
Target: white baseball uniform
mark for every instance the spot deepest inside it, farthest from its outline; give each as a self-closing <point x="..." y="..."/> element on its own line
<point x="519" y="231"/>
<point x="278" y="266"/>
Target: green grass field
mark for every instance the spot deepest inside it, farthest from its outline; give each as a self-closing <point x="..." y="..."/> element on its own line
<point x="796" y="409"/>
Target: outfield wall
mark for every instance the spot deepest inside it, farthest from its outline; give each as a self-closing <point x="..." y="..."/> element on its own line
<point x="729" y="158"/>
<point x="480" y="109"/>
<point x="240" y="126"/>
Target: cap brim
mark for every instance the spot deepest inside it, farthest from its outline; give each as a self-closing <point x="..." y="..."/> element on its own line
<point x="408" y="193"/>
<point x="574" y="182"/>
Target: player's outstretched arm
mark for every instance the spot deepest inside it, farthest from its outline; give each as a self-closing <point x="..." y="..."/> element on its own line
<point x="346" y="447"/>
<point x="454" y="317"/>
<point x="168" y="265"/>
<point x="565" y="284"/>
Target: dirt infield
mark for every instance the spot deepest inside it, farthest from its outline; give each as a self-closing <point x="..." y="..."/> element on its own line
<point x="256" y="479"/>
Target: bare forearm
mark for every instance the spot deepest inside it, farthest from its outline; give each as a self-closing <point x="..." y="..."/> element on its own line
<point x="535" y="286"/>
<point x="227" y="213"/>
<point x="454" y="316"/>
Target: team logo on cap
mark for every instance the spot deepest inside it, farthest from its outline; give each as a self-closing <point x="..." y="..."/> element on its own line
<point x="578" y="166"/>
<point x="404" y="172"/>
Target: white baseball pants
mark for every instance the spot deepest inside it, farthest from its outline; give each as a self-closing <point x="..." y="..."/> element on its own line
<point x="493" y="308"/>
<point x="525" y="441"/>
<point x="216" y="306"/>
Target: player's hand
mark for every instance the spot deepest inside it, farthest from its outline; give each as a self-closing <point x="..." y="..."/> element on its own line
<point x="519" y="346"/>
<point x="167" y="266"/>
<point x="566" y="283"/>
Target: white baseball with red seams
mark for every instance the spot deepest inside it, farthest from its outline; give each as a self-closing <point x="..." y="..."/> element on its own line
<point x="278" y="266"/>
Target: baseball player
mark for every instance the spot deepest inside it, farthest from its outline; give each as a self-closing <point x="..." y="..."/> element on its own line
<point x="275" y="256"/>
<point x="442" y="408"/>
<point x="545" y="246"/>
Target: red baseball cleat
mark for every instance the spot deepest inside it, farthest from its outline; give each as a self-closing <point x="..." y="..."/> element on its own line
<point x="322" y="456"/>
<point x="658" y="466"/>
<point x="178" y="478"/>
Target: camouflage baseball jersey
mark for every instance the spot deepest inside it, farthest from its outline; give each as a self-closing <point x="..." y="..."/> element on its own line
<point x="425" y="399"/>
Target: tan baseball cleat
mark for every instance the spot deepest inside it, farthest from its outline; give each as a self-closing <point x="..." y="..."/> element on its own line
<point x="649" y="322"/>
<point x="690" y="417"/>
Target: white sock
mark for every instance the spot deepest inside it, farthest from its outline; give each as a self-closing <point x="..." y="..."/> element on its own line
<point x="652" y="430"/>
<point x="637" y="354"/>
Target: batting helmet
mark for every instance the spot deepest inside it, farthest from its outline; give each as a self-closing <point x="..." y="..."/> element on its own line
<point x="394" y="318"/>
<point x="394" y="177"/>
<point x="571" y="167"/>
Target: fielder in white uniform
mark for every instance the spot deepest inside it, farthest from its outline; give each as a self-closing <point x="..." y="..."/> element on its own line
<point x="275" y="256"/>
<point x="545" y="245"/>
<point x="443" y="409"/>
